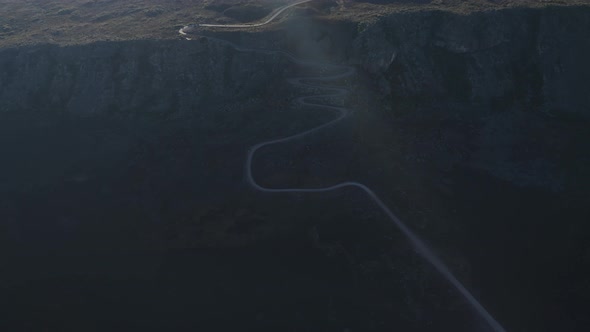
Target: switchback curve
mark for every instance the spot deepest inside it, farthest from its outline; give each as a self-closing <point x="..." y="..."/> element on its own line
<point x="419" y="245"/>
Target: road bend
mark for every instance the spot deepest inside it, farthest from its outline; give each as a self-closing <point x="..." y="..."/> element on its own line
<point x="340" y="114"/>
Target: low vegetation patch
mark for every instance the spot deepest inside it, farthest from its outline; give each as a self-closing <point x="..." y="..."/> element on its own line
<point x="67" y="22"/>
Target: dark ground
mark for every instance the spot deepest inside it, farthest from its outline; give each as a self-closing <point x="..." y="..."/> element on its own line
<point x="113" y="223"/>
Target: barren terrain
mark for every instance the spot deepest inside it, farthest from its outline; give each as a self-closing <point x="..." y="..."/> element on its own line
<point x="70" y="22"/>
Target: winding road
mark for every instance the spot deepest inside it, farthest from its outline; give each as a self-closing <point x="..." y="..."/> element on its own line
<point x="342" y="112"/>
<point x="269" y="19"/>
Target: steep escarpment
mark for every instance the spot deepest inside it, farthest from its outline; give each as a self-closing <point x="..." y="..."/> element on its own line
<point x="506" y="70"/>
<point x="131" y="77"/>
<point x="482" y="122"/>
<point x="503" y="58"/>
<point x="123" y="198"/>
<point x="107" y="126"/>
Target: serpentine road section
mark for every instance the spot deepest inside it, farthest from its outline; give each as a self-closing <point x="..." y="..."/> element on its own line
<point x="346" y="71"/>
<point x="278" y="12"/>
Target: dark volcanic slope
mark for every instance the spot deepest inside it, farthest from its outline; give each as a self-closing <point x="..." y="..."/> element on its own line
<point x="123" y="200"/>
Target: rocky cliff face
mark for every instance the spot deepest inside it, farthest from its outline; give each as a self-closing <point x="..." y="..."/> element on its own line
<point x="94" y="115"/>
<point x="140" y="77"/>
<point x="488" y="115"/>
<point x="501" y="58"/>
<point x="514" y="80"/>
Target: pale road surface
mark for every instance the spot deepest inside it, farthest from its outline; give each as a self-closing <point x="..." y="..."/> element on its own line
<point x="419" y="245"/>
<point x="278" y="12"/>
